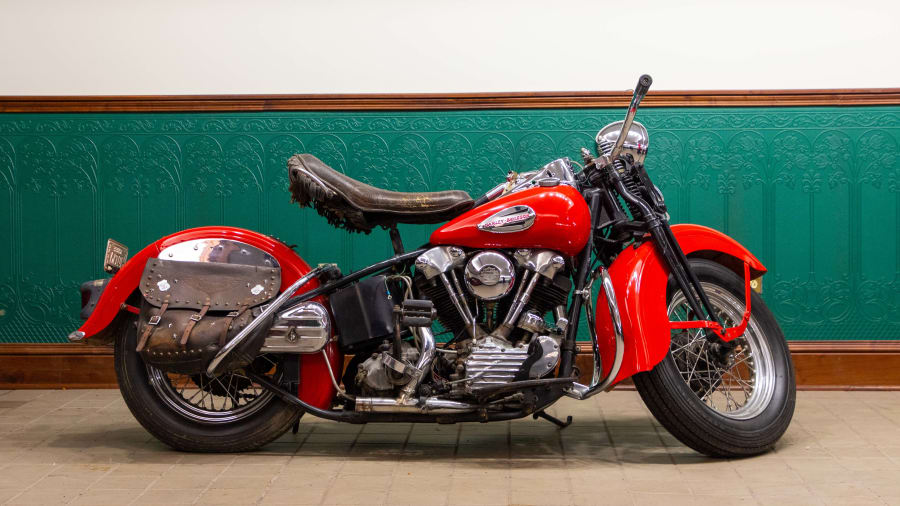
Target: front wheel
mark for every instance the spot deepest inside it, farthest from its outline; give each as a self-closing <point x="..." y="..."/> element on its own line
<point x="732" y="407"/>
<point x="227" y="413"/>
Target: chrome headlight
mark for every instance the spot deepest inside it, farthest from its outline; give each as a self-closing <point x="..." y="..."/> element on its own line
<point x="636" y="143"/>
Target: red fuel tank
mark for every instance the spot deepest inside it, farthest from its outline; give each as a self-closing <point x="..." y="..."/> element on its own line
<point x="554" y="218"/>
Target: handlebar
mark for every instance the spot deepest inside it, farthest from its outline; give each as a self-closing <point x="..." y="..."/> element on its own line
<point x="642" y="86"/>
<point x="639" y="91"/>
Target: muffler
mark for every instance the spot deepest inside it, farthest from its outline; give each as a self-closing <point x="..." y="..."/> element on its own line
<point x="428" y="405"/>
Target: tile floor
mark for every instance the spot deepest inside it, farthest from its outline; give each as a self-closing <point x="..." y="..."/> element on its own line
<point x="83" y="447"/>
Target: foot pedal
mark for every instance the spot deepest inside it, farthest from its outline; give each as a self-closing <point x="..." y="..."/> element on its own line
<point x="417" y="313"/>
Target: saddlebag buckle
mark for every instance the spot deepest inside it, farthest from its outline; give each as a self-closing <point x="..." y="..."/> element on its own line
<point x="154" y="320"/>
<point x="196" y="317"/>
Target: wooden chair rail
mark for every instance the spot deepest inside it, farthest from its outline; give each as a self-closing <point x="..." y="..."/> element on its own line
<point x="447" y="101"/>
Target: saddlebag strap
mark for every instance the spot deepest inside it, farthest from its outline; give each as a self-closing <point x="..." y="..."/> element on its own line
<point x="228" y="321"/>
<point x="154" y="321"/>
<point x="194" y="319"/>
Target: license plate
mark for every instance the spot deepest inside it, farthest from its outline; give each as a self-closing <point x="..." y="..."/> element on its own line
<point x="116" y="254"/>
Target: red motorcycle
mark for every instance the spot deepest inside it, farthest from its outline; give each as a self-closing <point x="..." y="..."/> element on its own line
<point x="224" y="337"/>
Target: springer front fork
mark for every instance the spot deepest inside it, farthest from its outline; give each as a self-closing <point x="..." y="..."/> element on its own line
<point x="720" y="337"/>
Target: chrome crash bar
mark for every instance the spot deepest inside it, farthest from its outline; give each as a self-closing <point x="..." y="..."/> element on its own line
<point x="577" y="390"/>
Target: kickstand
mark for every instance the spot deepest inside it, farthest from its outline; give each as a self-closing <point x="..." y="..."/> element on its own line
<point x="296" y="428"/>
<point x="552" y="419"/>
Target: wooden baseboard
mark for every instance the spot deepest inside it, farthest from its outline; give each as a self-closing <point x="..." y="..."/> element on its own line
<point x="820" y="365"/>
<point x="56" y="366"/>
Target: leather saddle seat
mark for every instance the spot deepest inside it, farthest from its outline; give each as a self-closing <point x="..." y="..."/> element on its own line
<point x="358" y="207"/>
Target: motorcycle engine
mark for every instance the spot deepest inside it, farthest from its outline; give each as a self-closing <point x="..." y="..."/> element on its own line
<point x="376" y="376"/>
<point x="508" y="294"/>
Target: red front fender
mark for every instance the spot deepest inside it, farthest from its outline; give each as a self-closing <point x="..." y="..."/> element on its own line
<point x="639" y="276"/>
<point x="315" y="385"/>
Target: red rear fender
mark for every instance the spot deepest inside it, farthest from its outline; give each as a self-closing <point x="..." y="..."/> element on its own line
<point x="639" y="276"/>
<point x="316" y="387"/>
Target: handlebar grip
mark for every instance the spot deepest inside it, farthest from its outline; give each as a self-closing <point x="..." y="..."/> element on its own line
<point x="643" y="85"/>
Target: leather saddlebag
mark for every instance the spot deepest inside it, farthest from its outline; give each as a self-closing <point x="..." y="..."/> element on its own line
<point x="190" y="310"/>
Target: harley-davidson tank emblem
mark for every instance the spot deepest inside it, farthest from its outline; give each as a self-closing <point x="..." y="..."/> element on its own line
<point x="511" y="219"/>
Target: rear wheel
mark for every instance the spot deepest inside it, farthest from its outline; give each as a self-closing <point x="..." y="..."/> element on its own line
<point x="735" y="406"/>
<point x="227" y="413"/>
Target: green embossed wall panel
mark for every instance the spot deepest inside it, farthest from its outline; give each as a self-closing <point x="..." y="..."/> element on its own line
<point x="815" y="192"/>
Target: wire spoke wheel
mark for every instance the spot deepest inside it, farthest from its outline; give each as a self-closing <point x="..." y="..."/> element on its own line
<point x="221" y="399"/>
<point x="741" y="386"/>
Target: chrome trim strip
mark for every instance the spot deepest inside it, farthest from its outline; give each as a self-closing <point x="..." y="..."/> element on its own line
<point x="218" y="250"/>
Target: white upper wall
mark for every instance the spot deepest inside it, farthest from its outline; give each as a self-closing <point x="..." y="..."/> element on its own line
<point x="60" y="47"/>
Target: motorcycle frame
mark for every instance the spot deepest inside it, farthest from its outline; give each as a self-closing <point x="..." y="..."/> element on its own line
<point x="315" y="392"/>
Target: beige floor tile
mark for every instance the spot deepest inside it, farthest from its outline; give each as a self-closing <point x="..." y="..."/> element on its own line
<point x="792" y="500"/>
<point x="21" y="476"/>
<point x="354" y="496"/>
<point x="231" y="496"/>
<point x="602" y="497"/>
<point x="726" y="499"/>
<point x="271" y="455"/>
<point x="718" y="485"/>
<point x="478" y="493"/>
<point x="414" y="496"/>
<point x="247" y="482"/>
<point x="650" y="499"/>
<point x="218" y="459"/>
<point x="306" y="495"/>
<point x="887" y="491"/>
<point x="105" y="498"/>
<point x="144" y="471"/>
<point x="540" y="482"/>
<point x="780" y="490"/>
<point x="44" y="497"/>
<point x="540" y="497"/>
<point x="167" y="497"/>
<point x="7" y="494"/>
<point x="368" y="468"/>
<point x="184" y="481"/>
<point x="853" y="501"/>
<point x="837" y="490"/>
<point x="119" y="482"/>
<point x="658" y="487"/>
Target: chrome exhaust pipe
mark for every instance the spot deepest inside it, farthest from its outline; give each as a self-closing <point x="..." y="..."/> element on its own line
<point x="429" y="405"/>
<point x="426" y="356"/>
